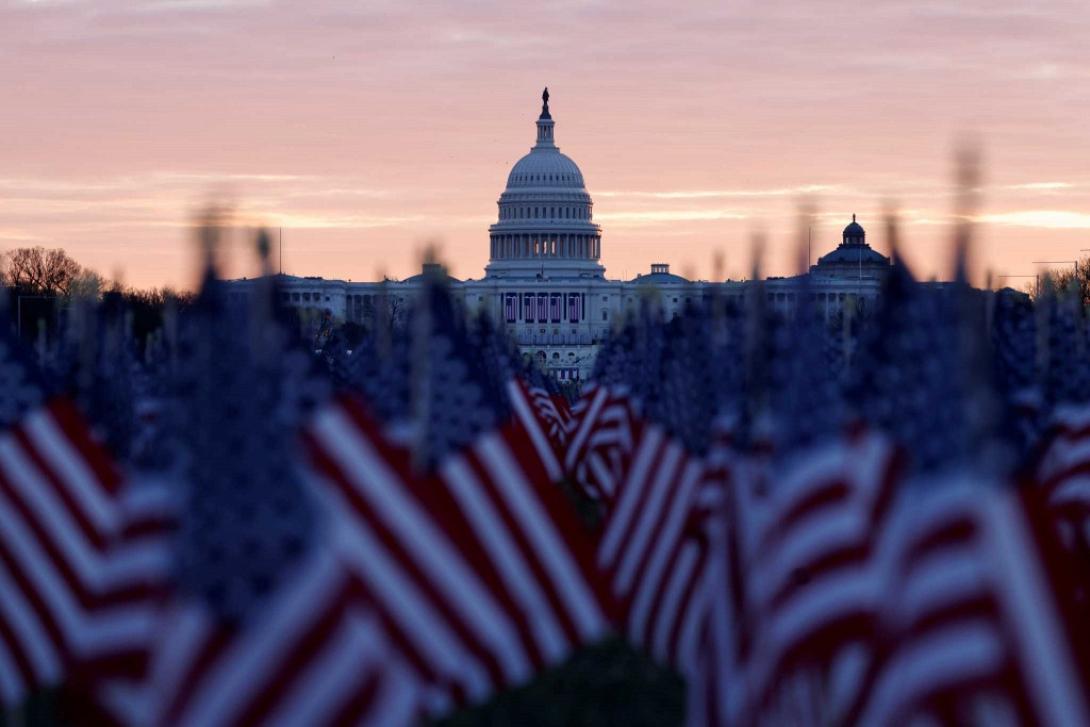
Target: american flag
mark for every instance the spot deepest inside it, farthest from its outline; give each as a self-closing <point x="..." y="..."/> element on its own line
<point x="551" y="408"/>
<point x="806" y="545"/>
<point x="799" y="550"/>
<point x="603" y="430"/>
<point x="510" y="307"/>
<point x="74" y="582"/>
<point x="1014" y="334"/>
<point x="654" y="544"/>
<point x="1064" y="474"/>
<point x="540" y="417"/>
<point x="261" y="620"/>
<point x="1062" y="468"/>
<point x="575" y="307"/>
<point x="914" y="380"/>
<point x="475" y="562"/>
<point x="73" y="573"/>
<point x="976" y="626"/>
<point x="606" y="421"/>
<point x="796" y="575"/>
<point x="313" y="654"/>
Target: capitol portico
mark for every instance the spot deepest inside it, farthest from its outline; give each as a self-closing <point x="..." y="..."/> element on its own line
<point x="544" y="280"/>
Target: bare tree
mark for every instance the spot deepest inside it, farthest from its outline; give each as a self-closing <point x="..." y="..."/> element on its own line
<point x="1072" y="281"/>
<point x="37" y="271"/>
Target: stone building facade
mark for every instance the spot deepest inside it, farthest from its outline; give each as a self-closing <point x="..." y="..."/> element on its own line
<point x="544" y="280"/>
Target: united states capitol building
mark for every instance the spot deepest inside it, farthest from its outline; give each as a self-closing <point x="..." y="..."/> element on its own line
<point x="545" y="281"/>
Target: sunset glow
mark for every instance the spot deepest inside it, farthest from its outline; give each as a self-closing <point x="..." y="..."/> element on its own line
<point x="367" y="131"/>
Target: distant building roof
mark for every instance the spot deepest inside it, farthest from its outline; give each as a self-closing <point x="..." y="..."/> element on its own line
<point x="853" y="254"/>
<point x="660" y="273"/>
<point x="852" y="250"/>
<point x="430" y="269"/>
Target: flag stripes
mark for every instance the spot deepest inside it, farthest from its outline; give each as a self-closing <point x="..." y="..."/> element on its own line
<point x="1064" y="474"/>
<point x="654" y="548"/>
<point x="75" y="590"/>
<point x="540" y="421"/>
<point x="315" y="655"/>
<point x="603" y="432"/>
<point x="971" y="616"/>
<point x="810" y="581"/>
<point x="420" y="581"/>
<point x="552" y="410"/>
<point x="497" y="567"/>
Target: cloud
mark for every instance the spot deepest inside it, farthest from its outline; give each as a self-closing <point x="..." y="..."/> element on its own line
<point x="1042" y="219"/>
<point x="1038" y="186"/>
<point x="18" y="236"/>
<point x="654" y="217"/>
<point x="368" y="121"/>
<point x="799" y="191"/>
<point x="301" y="221"/>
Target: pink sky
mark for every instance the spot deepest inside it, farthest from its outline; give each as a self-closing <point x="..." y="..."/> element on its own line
<point x="369" y="129"/>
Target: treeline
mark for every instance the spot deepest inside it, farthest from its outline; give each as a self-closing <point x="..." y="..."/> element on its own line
<point x="42" y="283"/>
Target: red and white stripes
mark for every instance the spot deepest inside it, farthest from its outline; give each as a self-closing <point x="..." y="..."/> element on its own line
<point x="76" y="579"/>
<point x="972" y="617"/>
<point x="315" y="654"/>
<point x="479" y="573"/>
<point x="655" y="549"/>
<point x="604" y="430"/>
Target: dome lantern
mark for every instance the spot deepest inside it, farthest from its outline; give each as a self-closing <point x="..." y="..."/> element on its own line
<point x="854" y="234"/>
<point x="545" y="124"/>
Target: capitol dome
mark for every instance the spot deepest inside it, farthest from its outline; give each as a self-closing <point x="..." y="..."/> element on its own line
<point x="545" y="225"/>
<point x="538" y="169"/>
